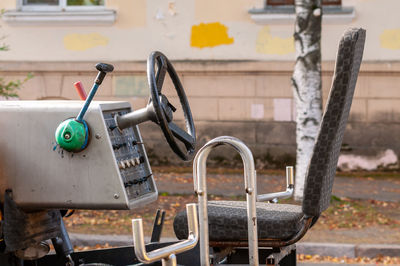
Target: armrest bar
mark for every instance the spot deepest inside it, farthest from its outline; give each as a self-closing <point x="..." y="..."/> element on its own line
<point x="284" y="194"/>
<point x="168" y="252"/>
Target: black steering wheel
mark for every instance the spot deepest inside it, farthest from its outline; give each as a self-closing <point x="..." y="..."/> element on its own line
<point x="164" y="110"/>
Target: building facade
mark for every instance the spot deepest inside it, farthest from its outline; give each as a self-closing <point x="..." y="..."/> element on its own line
<point x="235" y="59"/>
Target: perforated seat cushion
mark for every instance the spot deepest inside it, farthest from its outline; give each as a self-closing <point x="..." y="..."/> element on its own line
<point x="228" y="221"/>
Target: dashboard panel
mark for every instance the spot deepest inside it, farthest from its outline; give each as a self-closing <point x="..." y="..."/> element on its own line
<point x="130" y="156"/>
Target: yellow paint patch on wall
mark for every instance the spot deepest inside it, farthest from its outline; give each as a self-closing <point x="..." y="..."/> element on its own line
<point x="268" y="44"/>
<point x="390" y="39"/>
<point x="209" y="35"/>
<point x="82" y="42"/>
<point x="130" y="13"/>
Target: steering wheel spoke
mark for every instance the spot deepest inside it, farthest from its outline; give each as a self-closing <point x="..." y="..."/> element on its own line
<point x="182" y="135"/>
<point x="162" y="70"/>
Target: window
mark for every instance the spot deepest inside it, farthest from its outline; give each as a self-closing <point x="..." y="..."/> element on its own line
<point x="283" y="12"/>
<point x="60" y="12"/>
<point x="291" y="2"/>
<point x="60" y="5"/>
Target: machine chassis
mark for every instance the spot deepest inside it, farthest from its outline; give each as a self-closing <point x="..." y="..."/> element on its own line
<point x="67" y="180"/>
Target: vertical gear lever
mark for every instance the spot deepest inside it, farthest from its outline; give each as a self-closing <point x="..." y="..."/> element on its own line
<point x="73" y="133"/>
<point x="103" y="70"/>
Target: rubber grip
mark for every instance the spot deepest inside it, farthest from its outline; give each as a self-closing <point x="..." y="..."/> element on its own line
<point x="103" y="67"/>
<point x="81" y="91"/>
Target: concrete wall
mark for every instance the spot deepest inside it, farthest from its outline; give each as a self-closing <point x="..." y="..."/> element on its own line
<point x="250" y="100"/>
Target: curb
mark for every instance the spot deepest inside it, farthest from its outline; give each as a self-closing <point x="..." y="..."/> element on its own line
<point x="112" y="240"/>
<point x="348" y="250"/>
<point x="326" y="249"/>
<point x="92" y="240"/>
<point x="309" y="248"/>
<point x="367" y="250"/>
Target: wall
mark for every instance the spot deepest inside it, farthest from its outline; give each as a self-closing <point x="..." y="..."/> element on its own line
<point x="249" y="100"/>
<point x="194" y="30"/>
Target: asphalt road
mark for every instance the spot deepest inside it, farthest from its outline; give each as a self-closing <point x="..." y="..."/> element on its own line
<point x="233" y="185"/>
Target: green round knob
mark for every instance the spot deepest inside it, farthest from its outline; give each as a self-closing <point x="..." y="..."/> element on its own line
<point x="72" y="135"/>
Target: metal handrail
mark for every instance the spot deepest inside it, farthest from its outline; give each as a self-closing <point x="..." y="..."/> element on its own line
<point x="284" y="194"/>
<point x="200" y="187"/>
<point x="166" y="254"/>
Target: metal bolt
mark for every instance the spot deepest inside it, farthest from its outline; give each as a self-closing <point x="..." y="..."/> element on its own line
<point x="97" y="136"/>
<point x="199" y="192"/>
<point x="116" y="196"/>
<point x="67" y="135"/>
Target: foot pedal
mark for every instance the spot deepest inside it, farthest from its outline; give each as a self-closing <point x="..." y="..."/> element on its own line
<point x="158" y="226"/>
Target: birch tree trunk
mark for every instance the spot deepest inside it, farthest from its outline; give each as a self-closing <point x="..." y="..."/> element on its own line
<point x="306" y="84"/>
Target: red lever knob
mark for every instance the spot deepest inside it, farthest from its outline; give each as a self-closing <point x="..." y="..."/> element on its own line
<point x="81" y="91"/>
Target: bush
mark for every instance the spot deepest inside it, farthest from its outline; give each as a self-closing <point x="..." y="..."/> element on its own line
<point x="8" y="89"/>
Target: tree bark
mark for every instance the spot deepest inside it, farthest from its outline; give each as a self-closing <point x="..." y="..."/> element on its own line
<point x="306" y="84"/>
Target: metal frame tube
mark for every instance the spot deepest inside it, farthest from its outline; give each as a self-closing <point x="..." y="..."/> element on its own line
<point x="284" y="194"/>
<point x="133" y="118"/>
<point x="166" y="254"/>
<point x="200" y="186"/>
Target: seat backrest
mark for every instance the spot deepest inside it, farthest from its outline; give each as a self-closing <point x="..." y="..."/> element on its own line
<point x="322" y="168"/>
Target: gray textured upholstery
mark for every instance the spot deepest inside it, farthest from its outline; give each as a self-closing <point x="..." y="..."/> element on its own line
<point x="228" y="219"/>
<point x="322" y="167"/>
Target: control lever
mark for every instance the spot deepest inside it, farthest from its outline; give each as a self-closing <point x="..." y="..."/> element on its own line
<point x="80" y="90"/>
<point x="166" y="254"/>
<point x="73" y="133"/>
<point x="157" y="226"/>
<point x="103" y="70"/>
<point x="62" y="245"/>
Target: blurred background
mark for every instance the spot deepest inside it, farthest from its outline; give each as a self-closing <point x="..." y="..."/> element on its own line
<point x="235" y="59"/>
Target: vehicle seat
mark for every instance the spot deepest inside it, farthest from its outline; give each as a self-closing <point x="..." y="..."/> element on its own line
<point x="284" y="224"/>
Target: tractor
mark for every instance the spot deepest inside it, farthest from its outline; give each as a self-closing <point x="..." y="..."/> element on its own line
<point x="65" y="155"/>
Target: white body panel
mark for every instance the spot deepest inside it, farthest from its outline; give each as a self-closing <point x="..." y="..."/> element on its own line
<point x="41" y="175"/>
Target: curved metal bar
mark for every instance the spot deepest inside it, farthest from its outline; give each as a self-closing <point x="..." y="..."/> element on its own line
<point x="166" y="254"/>
<point x="284" y="194"/>
<point x="200" y="186"/>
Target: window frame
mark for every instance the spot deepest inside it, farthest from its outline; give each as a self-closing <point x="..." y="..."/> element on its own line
<point x="280" y="14"/>
<point x="291" y="2"/>
<point x="62" y="6"/>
